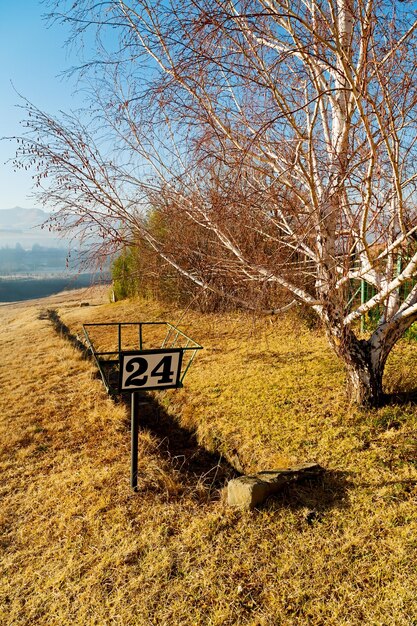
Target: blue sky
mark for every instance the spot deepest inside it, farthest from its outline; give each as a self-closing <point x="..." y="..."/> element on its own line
<point x="32" y="55"/>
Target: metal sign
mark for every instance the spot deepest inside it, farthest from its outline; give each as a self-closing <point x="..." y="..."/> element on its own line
<point x="150" y="369"/>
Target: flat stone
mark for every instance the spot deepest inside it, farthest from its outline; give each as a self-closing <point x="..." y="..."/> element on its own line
<point x="246" y="492"/>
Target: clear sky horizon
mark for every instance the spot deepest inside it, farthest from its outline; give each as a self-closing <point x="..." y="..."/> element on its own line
<point x="32" y="56"/>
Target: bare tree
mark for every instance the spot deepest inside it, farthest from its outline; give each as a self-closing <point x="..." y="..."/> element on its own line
<point x="285" y="130"/>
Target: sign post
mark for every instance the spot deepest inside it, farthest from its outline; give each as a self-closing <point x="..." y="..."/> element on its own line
<point x="134" y="435"/>
<point x="141" y="369"/>
<point x="146" y="369"/>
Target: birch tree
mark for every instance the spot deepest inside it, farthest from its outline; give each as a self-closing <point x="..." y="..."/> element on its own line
<point x="302" y="114"/>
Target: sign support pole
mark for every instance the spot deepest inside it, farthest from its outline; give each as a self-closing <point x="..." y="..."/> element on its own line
<point x="141" y="371"/>
<point x="134" y="433"/>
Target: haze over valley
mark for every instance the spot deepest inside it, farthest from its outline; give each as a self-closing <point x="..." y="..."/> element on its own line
<point x="35" y="262"/>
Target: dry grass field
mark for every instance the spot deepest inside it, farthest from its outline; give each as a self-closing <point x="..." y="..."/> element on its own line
<point x="79" y="548"/>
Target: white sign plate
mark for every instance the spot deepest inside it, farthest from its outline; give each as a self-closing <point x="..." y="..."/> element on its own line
<point x="150" y="369"/>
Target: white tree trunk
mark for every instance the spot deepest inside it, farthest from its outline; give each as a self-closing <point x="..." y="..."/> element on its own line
<point x="365" y="369"/>
<point x="365" y="359"/>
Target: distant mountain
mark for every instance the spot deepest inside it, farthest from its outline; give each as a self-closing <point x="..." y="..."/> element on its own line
<point x="23" y="226"/>
<point x="19" y="219"/>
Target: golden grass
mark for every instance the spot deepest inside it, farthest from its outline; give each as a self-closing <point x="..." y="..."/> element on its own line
<point x="79" y="548"/>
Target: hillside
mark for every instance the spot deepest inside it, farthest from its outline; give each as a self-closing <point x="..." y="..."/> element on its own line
<point x="19" y="219"/>
<point x="24" y="227"/>
<point x="78" y="547"/>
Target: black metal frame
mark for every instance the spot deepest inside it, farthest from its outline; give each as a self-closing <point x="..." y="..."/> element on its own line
<point x="109" y="368"/>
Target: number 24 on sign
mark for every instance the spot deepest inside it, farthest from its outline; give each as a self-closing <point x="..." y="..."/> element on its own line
<point x="150" y="369"/>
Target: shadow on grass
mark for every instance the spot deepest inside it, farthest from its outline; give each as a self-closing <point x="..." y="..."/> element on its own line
<point x="178" y="445"/>
<point x="63" y="330"/>
<point x="315" y="495"/>
<point x="400" y="398"/>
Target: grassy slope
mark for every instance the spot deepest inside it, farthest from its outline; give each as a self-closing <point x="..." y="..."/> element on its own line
<point x="80" y="548"/>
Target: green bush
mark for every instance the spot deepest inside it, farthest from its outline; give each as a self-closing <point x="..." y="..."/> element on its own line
<point x="124" y="275"/>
